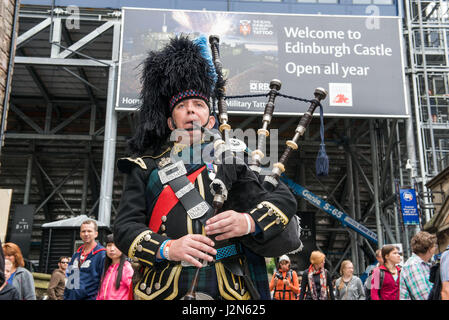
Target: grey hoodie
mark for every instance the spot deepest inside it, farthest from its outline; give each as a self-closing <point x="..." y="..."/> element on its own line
<point x="24" y="283"/>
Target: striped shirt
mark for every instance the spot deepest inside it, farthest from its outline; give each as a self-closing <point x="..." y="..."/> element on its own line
<point x="414" y="282"/>
<point x="444" y="266"/>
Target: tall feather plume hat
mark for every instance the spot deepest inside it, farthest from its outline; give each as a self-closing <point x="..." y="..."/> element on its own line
<point x="181" y="70"/>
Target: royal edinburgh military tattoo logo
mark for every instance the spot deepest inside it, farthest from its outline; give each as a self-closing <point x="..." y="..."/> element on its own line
<point x="245" y="27"/>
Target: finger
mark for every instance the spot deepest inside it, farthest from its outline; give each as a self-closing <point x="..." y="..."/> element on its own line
<point x="224" y="222"/>
<point x="203" y="247"/>
<point x="202" y="239"/>
<point x="224" y="236"/>
<point x="218" y="217"/>
<point x="227" y="228"/>
<point x="199" y="254"/>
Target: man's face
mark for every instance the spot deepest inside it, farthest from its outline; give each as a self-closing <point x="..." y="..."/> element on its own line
<point x="88" y="233"/>
<point x="188" y="112"/>
<point x="63" y="264"/>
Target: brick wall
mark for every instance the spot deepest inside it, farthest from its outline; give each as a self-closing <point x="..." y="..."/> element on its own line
<point x="6" y="22"/>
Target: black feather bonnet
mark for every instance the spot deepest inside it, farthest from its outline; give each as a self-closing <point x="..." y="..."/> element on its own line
<point x="178" y="71"/>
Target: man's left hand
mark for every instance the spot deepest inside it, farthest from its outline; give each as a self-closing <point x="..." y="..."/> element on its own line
<point x="229" y="224"/>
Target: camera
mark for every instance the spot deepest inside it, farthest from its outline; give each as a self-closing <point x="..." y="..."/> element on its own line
<point x="279" y="276"/>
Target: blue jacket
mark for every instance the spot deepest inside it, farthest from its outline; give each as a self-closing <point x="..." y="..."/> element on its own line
<point x="83" y="280"/>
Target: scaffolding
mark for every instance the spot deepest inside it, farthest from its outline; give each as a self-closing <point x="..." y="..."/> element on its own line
<point x="64" y="135"/>
<point x="426" y="27"/>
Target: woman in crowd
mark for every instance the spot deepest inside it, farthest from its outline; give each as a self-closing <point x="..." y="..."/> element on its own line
<point x="20" y="277"/>
<point x="7" y="291"/>
<point x="285" y="281"/>
<point x="349" y="286"/>
<point x="116" y="281"/>
<point x="316" y="281"/>
<point x="385" y="282"/>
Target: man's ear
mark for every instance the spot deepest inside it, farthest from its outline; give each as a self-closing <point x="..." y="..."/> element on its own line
<point x="211" y="122"/>
<point x="171" y="123"/>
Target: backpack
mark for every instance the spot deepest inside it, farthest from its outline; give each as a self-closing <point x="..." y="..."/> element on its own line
<point x="435" y="278"/>
<point x="381" y="282"/>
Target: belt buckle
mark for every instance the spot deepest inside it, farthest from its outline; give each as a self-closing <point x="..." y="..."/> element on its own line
<point x="172" y="172"/>
<point x="188" y="264"/>
<point x="198" y="211"/>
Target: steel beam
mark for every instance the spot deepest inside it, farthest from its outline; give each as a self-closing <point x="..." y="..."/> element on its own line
<point x="375" y="169"/>
<point x="85" y="186"/>
<point x="72" y="137"/>
<point x="387" y="159"/>
<point x="28" y="35"/>
<point x="70" y="119"/>
<point x="55" y="37"/>
<point x="351" y="206"/>
<point x="61" y="62"/>
<point x="25" y="118"/>
<point x="56" y="188"/>
<point x="26" y="195"/>
<point x="41" y="188"/>
<point x="107" y="172"/>
<point x="86" y="39"/>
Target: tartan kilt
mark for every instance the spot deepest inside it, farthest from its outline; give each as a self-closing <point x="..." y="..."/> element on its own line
<point x="208" y="282"/>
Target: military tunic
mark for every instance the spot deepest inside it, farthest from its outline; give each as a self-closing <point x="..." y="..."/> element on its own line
<point x="149" y="213"/>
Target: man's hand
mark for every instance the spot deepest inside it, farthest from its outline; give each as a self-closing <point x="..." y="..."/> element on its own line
<point x="229" y="224"/>
<point x="190" y="247"/>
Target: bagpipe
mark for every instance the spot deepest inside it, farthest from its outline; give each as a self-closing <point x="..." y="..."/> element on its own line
<point x="231" y="168"/>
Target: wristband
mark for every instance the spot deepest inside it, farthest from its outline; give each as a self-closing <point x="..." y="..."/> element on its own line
<point x="167" y="249"/>
<point x="161" y="249"/>
<point x="248" y="231"/>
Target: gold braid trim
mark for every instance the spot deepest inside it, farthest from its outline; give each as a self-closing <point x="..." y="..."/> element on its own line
<point x="283" y="218"/>
<point x="223" y="283"/>
<point x="132" y="249"/>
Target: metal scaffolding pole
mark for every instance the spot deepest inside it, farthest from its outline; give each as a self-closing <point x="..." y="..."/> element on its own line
<point x="375" y="168"/>
<point x="405" y="238"/>
<point x="350" y="185"/>
<point x="358" y="216"/>
<point x="426" y="86"/>
<point x="110" y="134"/>
<point x="26" y="195"/>
<point x="392" y="133"/>
<point x="85" y="185"/>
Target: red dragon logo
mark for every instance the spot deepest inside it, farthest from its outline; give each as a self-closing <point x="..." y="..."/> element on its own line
<point x="340" y="98"/>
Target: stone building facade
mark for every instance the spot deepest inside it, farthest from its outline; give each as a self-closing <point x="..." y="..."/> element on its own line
<point x="7" y="18"/>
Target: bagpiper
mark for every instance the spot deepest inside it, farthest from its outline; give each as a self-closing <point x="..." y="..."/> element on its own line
<point x="165" y="220"/>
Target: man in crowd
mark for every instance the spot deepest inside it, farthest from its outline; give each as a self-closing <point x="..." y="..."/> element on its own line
<point x="414" y="282"/>
<point x="86" y="266"/>
<point x="58" y="278"/>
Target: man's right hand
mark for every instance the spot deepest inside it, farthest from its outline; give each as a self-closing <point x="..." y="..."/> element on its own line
<point x="190" y="247"/>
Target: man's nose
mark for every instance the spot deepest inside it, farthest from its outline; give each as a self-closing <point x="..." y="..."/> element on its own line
<point x="190" y="107"/>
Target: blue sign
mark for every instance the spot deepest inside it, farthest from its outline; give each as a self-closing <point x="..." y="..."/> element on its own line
<point x="409" y="206"/>
<point x="345" y="220"/>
